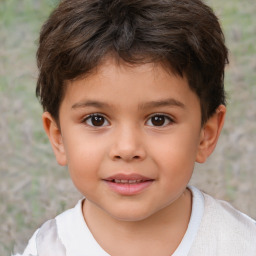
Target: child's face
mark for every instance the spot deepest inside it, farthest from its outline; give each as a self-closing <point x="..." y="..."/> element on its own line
<point x="130" y="137"/>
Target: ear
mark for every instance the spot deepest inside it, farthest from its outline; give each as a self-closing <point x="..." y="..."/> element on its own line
<point x="210" y="134"/>
<point x="54" y="134"/>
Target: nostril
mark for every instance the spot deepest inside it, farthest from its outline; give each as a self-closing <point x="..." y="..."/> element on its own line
<point x="120" y="157"/>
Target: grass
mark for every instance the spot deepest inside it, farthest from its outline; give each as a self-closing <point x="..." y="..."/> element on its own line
<point x="34" y="189"/>
<point x="21" y="134"/>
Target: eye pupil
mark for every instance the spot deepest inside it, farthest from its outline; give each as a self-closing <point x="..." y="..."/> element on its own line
<point x="158" y="120"/>
<point x="97" y="120"/>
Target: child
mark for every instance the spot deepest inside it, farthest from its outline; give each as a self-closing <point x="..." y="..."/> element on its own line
<point x="133" y="96"/>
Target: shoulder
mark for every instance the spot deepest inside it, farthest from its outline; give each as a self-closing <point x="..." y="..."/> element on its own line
<point x="65" y="235"/>
<point x="225" y="230"/>
<point x="225" y="215"/>
<point x="47" y="240"/>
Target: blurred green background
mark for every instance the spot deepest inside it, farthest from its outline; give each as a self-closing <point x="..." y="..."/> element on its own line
<point x="33" y="188"/>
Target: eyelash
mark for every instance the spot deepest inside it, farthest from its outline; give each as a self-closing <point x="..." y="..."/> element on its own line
<point x="96" y="115"/>
<point x="104" y="122"/>
<point x="166" y="118"/>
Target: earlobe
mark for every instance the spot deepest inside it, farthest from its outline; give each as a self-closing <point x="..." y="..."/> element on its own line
<point x="210" y="134"/>
<point x="54" y="134"/>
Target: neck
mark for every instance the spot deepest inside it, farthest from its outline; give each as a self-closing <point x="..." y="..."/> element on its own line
<point x="164" y="229"/>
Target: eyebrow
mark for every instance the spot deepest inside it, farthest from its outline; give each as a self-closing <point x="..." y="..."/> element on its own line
<point x="151" y="104"/>
<point x="90" y="103"/>
<point x="162" y="103"/>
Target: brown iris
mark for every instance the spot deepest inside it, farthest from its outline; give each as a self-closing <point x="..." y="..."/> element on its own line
<point x="97" y="120"/>
<point x="158" y="120"/>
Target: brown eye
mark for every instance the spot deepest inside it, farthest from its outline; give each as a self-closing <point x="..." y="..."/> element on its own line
<point x="159" y="120"/>
<point x="96" y="120"/>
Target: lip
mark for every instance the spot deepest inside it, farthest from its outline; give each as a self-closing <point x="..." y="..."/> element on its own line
<point x="128" y="184"/>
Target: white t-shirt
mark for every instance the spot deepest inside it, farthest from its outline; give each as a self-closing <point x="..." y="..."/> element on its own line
<point x="215" y="228"/>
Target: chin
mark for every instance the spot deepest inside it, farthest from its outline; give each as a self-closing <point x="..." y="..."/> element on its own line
<point x="131" y="215"/>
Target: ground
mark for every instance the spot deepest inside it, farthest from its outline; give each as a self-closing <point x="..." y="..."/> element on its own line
<point x="34" y="188"/>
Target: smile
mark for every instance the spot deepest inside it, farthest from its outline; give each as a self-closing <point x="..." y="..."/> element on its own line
<point x="127" y="181"/>
<point x="128" y="185"/>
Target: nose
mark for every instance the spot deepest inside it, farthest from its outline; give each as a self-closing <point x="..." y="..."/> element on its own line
<point x="127" y="145"/>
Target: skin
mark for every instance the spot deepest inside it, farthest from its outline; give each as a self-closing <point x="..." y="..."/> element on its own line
<point x="127" y="140"/>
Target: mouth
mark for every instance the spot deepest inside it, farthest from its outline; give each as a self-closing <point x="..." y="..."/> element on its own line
<point x="127" y="181"/>
<point x="128" y="184"/>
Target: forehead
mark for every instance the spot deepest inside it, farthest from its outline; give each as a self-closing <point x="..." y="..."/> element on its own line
<point x="122" y="83"/>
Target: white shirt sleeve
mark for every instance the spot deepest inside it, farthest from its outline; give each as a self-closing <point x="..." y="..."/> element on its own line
<point x="45" y="242"/>
<point x="31" y="249"/>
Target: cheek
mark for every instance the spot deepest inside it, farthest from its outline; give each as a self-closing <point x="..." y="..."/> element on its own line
<point x="84" y="158"/>
<point x="176" y="165"/>
<point x="176" y="154"/>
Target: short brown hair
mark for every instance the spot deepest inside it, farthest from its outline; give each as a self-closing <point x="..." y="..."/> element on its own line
<point x="184" y="34"/>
